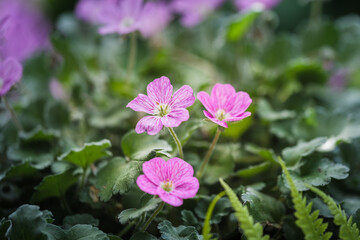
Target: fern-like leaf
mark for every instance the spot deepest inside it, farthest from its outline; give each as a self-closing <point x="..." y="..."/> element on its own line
<point x="348" y="230"/>
<point x="246" y="222"/>
<point x="207" y="226"/>
<point x="312" y="226"/>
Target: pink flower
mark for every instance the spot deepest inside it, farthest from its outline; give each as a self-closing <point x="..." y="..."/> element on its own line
<point x="166" y="109"/>
<point x="224" y="104"/>
<point x="57" y="90"/>
<point x="10" y="73"/>
<point x="171" y="180"/>
<point x="256" y="5"/>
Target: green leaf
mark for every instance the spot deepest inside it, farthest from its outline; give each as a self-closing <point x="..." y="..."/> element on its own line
<point x="118" y="176"/>
<point x="207" y="226"/>
<point x="27" y="223"/>
<point x="262" y="207"/>
<point x="251" y="231"/>
<point x="39" y="134"/>
<point x="77" y="232"/>
<point x="220" y="210"/>
<point x="70" y="221"/>
<point x="4" y="225"/>
<point x="240" y="25"/>
<point x="54" y="186"/>
<point x="140" y="146"/>
<point x="189" y="218"/>
<point x="133" y="213"/>
<point x="253" y="170"/>
<point x="21" y="170"/>
<point x="268" y="154"/>
<point x="266" y="112"/>
<point x="142" y="236"/>
<point x="88" y="154"/>
<point x="168" y="232"/>
<point x="320" y="35"/>
<point x="293" y="155"/>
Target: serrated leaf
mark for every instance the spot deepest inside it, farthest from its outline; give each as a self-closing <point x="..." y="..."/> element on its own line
<point x="54" y="186"/>
<point x="140" y="146"/>
<point x="142" y="236"/>
<point x="21" y="170"/>
<point x="240" y="25"/>
<point x="88" y="154"/>
<point x="168" y="232"/>
<point x="70" y="221"/>
<point x="189" y="218"/>
<point x="77" y="232"/>
<point x="118" y="176"/>
<point x="39" y="134"/>
<point x="134" y="213"/>
<point x="292" y="155"/>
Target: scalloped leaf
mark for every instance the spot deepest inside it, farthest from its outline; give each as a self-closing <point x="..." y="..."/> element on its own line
<point x="168" y="232"/>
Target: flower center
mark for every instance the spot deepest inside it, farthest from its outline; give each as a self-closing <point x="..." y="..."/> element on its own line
<point x="221" y="114"/>
<point x="127" y="22"/>
<point x="162" y="109"/>
<point x="167" y="186"/>
<point x="258" y="7"/>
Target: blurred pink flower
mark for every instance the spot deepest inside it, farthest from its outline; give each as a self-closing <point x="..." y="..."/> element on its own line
<point x="166" y="109"/>
<point x="56" y="90"/>
<point x="94" y="11"/>
<point x="23" y="29"/>
<point x="255" y="5"/>
<point x="171" y="180"/>
<point x="154" y="18"/>
<point x="224" y="104"/>
<point x="10" y="73"/>
<point x="194" y="11"/>
<point x="338" y="79"/>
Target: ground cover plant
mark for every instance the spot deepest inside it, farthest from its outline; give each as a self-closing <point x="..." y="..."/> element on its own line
<point x="179" y="119"/>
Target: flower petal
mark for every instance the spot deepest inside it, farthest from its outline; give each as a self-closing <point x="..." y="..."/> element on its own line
<point x="160" y="90"/>
<point x="205" y="99"/>
<point x="169" y="198"/>
<point x="183" y="98"/>
<point x="238" y="118"/>
<point x="175" y="117"/>
<point x="241" y="103"/>
<point x="186" y="187"/>
<point x="215" y="120"/>
<point x="150" y="124"/>
<point x="154" y="170"/>
<point x="10" y="73"/>
<point x="176" y="169"/>
<point x="146" y="185"/>
<point x="142" y="103"/>
<point x="220" y="94"/>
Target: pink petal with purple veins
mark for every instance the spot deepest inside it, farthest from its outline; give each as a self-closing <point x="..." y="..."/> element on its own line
<point x="177" y="169"/>
<point x="169" y="198"/>
<point x="238" y="118"/>
<point x="175" y="117"/>
<point x="215" y="120"/>
<point x="142" y="103"/>
<point x="242" y="102"/>
<point x="160" y="90"/>
<point x="220" y="94"/>
<point x="206" y="100"/>
<point x="186" y="187"/>
<point x="150" y="124"/>
<point x="155" y="169"/>
<point x="146" y="185"/>
<point x="183" y="98"/>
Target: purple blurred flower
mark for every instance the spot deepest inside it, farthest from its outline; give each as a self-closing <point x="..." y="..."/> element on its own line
<point x="94" y="11"/>
<point x="194" y="11"/>
<point x="225" y="104"/>
<point x="154" y="18"/>
<point x="23" y="30"/>
<point x="166" y="109"/>
<point x="171" y="180"/>
<point x="10" y="73"/>
<point x="56" y="90"/>
<point x="339" y="79"/>
<point x="255" y="5"/>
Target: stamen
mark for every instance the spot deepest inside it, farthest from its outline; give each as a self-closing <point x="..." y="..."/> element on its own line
<point x="221" y="114"/>
<point x="167" y="186"/>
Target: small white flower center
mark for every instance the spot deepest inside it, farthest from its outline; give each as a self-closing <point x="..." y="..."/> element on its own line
<point x="168" y="186"/>
<point x="162" y="109"/>
<point x="221" y="114"/>
<point x="127" y="22"/>
<point x="258" y="7"/>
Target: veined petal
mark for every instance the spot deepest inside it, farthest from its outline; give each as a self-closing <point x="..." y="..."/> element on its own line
<point x="220" y="94"/>
<point x="146" y="185"/>
<point x="186" y="187"/>
<point x="241" y="103"/>
<point x="150" y="124"/>
<point x="154" y="170"/>
<point x="175" y="117"/>
<point x="205" y="99"/>
<point x="142" y="103"/>
<point x="160" y="90"/>
<point x="238" y="118"/>
<point x="177" y="168"/>
<point x="215" y="120"/>
<point x="169" y="198"/>
<point x="183" y="98"/>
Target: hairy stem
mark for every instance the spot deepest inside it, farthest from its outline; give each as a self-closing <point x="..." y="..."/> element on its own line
<point x="208" y="154"/>
<point x="177" y="141"/>
<point x="13" y="115"/>
<point x="151" y="218"/>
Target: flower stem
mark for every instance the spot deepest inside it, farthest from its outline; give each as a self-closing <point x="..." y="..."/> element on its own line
<point x="132" y="56"/>
<point x="208" y="154"/>
<point x="13" y="115"/>
<point x="177" y="141"/>
<point x="151" y="218"/>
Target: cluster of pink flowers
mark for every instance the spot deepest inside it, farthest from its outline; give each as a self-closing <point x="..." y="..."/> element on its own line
<point x="173" y="180"/>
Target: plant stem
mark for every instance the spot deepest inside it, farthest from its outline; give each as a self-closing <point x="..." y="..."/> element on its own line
<point x="13" y="115"/>
<point x="126" y="229"/>
<point x="65" y="205"/>
<point x="132" y="56"/>
<point x="177" y="141"/>
<point x="315" y="11"/>
<point x="83" y="177"/>
<point x="151" y="218"/>
<point x="208" y="154"/>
